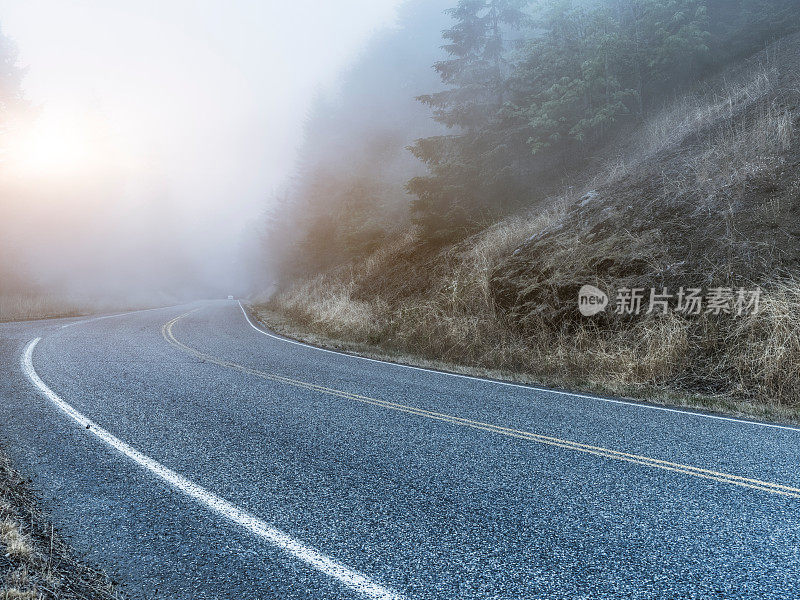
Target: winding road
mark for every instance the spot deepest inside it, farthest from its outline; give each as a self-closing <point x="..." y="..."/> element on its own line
<point x="193" y="454"/>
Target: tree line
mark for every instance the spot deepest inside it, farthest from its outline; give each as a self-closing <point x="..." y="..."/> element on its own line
<point x="529" y="91"/>
<point x="13" y="111"/>
<point x="535" y="88"/>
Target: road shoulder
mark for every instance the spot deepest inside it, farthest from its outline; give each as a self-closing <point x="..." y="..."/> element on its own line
<point x="36" y="562"/>
<point x="284" y="326"/>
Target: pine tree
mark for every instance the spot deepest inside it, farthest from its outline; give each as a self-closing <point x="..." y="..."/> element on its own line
<point x="467" y="167"/>
<point x="593" y="65"/>
<point x="586" y="69"/>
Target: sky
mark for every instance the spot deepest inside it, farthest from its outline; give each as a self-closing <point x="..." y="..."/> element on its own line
<point x="188" y="111"/>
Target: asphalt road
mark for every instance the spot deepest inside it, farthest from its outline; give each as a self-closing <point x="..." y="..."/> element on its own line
<point x="222" y="462"/>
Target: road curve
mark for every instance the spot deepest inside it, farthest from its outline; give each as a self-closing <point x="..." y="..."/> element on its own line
<point x="194" y="455"/>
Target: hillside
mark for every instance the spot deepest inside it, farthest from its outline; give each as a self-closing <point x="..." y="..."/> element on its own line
<point x="703" y="194"/>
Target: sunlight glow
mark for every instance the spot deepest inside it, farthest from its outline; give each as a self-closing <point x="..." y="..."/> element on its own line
<point x="57" y="145"/>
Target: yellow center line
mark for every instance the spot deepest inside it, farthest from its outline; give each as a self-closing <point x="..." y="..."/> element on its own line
<point x="765" y="486"/>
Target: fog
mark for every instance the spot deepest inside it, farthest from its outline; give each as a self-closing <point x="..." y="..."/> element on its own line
<point x="160" y="132"/>
<point x="356" y="135"/>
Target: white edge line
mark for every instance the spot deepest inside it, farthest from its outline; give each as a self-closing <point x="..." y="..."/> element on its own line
<point x="130" y="312"/>
<point x="520" y="385"/>
<point x="354" y="580"/>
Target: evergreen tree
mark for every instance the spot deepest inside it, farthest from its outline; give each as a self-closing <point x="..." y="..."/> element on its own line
<point x="464" y="188"/>
<point x="586" y="67"/>
<point x="591" y="66"/>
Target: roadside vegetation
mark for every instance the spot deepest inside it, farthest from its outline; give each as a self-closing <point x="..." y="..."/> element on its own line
<point x="22" y="306"/>
<point x="41" y="304"/>
<point x="36" y="563"/>
<point x="624" y="144"/>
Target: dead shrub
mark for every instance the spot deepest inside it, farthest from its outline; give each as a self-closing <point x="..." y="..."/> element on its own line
<point x="765" y="347"/>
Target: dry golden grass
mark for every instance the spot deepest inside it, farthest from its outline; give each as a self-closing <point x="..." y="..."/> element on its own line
<point x="456" y="321"/>
<point x="740" y="150"/>
<point x="692" y="112"/>
<point x="740" y="126"/>
<point x="326" y="301"/>
<point x="765" y="347"/>
<point x="458" y="311"/>
<point x="756" y="357"/>
<point x="17" y="544"/>
<point x="21" y="307"/>
<point x="724" y="139"/>
<point x="18" y="548"/>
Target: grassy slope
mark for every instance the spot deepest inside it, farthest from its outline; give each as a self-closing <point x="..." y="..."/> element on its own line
<point x="706" y="193"/>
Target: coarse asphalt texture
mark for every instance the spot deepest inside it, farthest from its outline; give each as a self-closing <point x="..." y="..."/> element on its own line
<point x="425" y="484"/>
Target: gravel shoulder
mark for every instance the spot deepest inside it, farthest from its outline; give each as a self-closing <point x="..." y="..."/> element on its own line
<point x="36" y="561"/>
